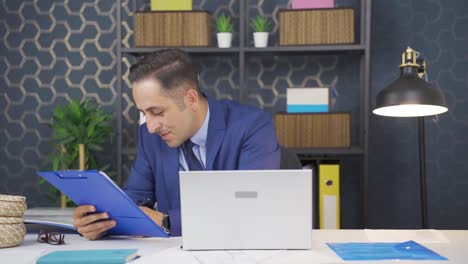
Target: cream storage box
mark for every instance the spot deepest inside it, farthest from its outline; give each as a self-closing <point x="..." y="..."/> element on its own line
<point x="308" y="100"/>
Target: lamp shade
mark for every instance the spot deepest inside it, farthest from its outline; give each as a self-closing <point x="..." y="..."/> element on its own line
<point x="410" y="96"/>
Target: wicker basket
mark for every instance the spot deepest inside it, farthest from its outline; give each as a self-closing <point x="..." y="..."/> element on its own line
<point x="12" y="206"/>
<point x="12" y="229"/>
<point x="173" y="28"/>
<point x="313" y="130"/>
<point x="317" y="26"/>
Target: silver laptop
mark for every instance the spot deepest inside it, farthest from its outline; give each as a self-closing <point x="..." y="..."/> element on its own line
<point x="255" y="209"/>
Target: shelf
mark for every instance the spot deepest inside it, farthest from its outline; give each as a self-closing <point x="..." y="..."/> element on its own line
<point x="327" y="151"/>
<point x="235" y="50"/>
<point x="244" y="52"/>
<point x="301" y="49"/>
<point x="192" y="50"/>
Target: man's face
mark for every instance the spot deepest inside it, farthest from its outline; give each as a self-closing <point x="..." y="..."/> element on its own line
<point x="164" y="115"/>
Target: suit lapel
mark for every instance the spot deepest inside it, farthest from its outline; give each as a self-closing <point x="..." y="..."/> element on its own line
<point x="171" y="167"/>
<point x="216" y="130"/>
<point x="170" y="156"/>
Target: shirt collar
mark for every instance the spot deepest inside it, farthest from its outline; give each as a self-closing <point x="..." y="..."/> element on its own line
<point x="200" y="137"/>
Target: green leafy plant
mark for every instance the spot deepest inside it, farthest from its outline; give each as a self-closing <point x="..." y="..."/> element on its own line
<point x="74" y="124"/>
<point x="224" y="24"/>
<point x="260" y="24"/>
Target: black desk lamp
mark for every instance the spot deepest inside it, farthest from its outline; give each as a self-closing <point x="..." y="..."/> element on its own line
<point x="411" y="96"/>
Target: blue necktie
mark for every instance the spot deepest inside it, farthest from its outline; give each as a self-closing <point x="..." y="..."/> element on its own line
<point x="192" y="161"/>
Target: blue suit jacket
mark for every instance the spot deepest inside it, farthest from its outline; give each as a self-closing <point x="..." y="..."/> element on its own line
<point x="239" y="138"/>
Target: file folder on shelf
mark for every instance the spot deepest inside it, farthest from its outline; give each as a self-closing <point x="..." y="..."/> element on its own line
<point x="329" y="196"/>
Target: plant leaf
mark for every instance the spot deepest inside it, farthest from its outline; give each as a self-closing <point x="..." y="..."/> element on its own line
<point x="224" y="24"/>
<point x="56" y="164"/>
<point x="72" y="124"/>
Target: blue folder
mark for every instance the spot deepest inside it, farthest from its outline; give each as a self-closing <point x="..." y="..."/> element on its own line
<point x="92" y="187"/>
<point x="408" y="250"/>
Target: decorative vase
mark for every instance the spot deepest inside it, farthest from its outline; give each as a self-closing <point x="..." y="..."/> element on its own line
<point x="224" y="39"/>
<point x="260" y="39"/>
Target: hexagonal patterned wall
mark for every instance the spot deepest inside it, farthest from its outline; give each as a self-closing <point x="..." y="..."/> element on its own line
<point x="52" y="51"/>
<point x="55" y="51"/>
<point x="438" y="30"/>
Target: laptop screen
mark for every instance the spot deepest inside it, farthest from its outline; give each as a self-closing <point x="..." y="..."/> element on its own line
<point x="253" y="209"/>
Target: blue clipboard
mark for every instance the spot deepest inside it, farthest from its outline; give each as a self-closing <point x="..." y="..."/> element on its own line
<point x="92" y="187"/>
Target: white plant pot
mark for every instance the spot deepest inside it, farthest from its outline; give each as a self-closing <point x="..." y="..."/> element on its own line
<point x="224" y="39"/>
<point x="260" y="39"/>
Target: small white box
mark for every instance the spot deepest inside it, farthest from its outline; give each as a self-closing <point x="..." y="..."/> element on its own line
<point x="308" y="100"/>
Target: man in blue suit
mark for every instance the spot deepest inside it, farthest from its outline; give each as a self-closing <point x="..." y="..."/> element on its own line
<point x="184" y="130"/>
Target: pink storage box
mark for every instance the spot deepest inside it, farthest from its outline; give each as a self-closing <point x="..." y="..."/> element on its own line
<point x="309" y="4"/>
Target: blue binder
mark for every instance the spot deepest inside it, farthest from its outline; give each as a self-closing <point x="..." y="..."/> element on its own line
<point x="92" y="187"/>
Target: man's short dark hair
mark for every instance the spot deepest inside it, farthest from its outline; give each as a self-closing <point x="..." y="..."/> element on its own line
<point x="171" y="67"/>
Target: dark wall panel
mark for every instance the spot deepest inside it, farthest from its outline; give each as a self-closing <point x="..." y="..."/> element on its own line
<point x="437" y="29"/>
<point x="52" y="51"/>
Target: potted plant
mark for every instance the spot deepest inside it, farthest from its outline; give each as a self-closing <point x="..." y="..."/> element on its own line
<point x="224" y="25"/>
<point x="261" y="26"/>
<point x="80" y="130"/>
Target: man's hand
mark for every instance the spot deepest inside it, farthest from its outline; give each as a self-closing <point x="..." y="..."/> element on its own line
<point x="156" y="216"/>
<point x="84" y="220"/>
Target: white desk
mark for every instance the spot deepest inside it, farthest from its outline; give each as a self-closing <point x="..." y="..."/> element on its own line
<point x="451" y="244"/>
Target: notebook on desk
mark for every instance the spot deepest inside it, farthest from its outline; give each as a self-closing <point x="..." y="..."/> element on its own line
<point x="261" y="209"/>
<point x="96" y="256"/>
<point x="51" y="219"/>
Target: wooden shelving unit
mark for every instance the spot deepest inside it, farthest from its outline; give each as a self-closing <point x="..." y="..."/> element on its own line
<point x="244" y="51"/>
